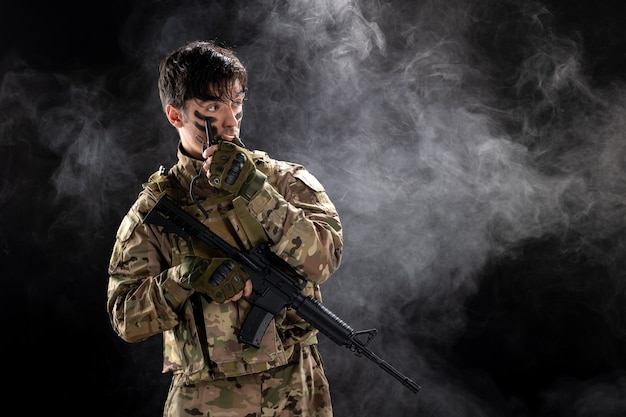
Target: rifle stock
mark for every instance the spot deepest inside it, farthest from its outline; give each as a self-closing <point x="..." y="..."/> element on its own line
<point x="276" y="285"/>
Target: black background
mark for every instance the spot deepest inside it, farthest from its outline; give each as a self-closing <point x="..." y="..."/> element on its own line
<point x="493" y="314"/>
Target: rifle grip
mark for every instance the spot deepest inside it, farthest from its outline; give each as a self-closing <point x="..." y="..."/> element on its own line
<point x="254" y="326"/>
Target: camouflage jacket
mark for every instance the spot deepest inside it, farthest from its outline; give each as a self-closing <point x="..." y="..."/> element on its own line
<point x="144" y="298"/>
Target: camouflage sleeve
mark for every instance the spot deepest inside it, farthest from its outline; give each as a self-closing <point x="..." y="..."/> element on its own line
<point x="143" y="293"/>
<point x="300" y="220"/>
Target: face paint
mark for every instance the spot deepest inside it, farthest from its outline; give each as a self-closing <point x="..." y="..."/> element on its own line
<point x="201" y="127"/>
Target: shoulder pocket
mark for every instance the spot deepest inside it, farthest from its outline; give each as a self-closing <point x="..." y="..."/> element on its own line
<point x="128" y="225"/>
<point x="308" y="178"/>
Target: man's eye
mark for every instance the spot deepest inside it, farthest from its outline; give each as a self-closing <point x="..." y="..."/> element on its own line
<point x="212" y="107"/>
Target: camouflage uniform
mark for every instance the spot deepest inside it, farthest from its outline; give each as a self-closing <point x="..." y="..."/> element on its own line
<point x="214" y="374"/>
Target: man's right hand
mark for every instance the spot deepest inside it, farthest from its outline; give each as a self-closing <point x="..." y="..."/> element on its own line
<point x="222" y="279"/>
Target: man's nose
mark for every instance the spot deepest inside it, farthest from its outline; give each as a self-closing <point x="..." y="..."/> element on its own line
<point x="230" y="118"/>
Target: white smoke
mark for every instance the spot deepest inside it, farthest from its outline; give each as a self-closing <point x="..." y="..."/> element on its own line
<point x="446" y="133"/>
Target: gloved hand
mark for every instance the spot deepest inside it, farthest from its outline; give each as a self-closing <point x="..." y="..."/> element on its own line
<point x="233" y="170"/>
<point x="219" y="278"/>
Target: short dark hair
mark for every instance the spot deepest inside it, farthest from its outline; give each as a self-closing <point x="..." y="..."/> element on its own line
<point x="201" y="70"/>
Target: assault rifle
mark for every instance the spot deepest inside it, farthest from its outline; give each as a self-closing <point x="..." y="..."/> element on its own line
<point x="276" y="285"/>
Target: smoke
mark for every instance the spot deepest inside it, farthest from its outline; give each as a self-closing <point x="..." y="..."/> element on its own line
<point x="475" y="158"/>
<point x="439" y="155"/>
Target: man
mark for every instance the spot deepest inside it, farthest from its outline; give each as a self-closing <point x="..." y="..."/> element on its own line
<point x="160" y="283"/>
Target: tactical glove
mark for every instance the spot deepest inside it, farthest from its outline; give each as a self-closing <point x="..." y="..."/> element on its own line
<point x="233" y="170"/>
<point x="219" y="278"/>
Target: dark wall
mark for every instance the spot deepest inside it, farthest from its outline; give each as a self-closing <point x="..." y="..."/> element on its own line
<point x="474" y="149"/>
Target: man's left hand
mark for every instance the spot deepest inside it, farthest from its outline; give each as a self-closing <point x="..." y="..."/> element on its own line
<point x="232" y="169"/>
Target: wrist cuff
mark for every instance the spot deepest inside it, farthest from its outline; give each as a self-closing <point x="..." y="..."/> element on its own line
<point x="252" y="185"/>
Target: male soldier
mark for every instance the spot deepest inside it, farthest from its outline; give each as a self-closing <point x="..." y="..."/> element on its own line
<point x="191" y="293"/>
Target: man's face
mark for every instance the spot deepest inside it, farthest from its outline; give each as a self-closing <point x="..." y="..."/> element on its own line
<point x="224" y="115"/>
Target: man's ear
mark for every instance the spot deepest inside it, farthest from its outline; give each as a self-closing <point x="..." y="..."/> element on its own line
<point x="174" y="116"/>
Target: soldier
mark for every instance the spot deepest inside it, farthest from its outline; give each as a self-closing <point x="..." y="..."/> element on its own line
<point x="189" y="292"/>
